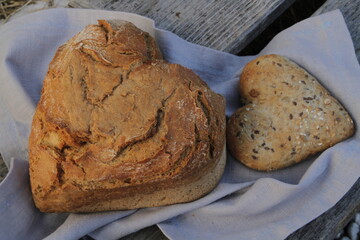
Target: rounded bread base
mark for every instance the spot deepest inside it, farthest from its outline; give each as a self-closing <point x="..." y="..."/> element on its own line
<point x="180" y="194"/>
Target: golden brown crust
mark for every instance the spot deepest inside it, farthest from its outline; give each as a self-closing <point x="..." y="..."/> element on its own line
<point x="287" y="116"/>
<point x="116" y="123"/>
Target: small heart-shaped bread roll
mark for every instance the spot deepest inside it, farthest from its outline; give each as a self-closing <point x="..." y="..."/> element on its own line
<point x="287" y="116"/>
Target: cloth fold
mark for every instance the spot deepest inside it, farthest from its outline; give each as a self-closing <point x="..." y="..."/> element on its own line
<point x="246" y="204"/>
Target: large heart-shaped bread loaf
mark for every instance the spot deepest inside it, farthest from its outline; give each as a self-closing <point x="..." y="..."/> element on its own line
<point x="288" y="115"/>
<point x="117" y="127"/>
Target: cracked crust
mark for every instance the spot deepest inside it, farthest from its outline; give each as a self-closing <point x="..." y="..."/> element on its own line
<point x="288" y="116"/>
<point x="117" y="127"/>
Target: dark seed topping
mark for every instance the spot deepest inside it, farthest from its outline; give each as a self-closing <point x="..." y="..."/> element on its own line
<point x="300" y="114"/>
<point x="279" y="64"/>
<point x="252" y="136"/>
<point x="255" y="151"/>
<point x="256" y="132"/>
<point x="254" y="93"/>
<point x="303" y="82"/>
<point x="291" y="116"/>
<point x="316" y="137"/>
<point x="308" y="98"/>
<point x="254" y="157"/>
<point x="289" y="138"/>
<point x="257" y="63"/>
<point x="266" y="148"/>
<point x="295" y="103"/>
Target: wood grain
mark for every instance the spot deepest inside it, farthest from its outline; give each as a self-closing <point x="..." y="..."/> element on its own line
<point x="149" y="233"/>
<point x="222" y="25"/>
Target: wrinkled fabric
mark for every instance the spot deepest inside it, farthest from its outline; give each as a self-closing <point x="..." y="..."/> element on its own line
<point x="246" y="204"/>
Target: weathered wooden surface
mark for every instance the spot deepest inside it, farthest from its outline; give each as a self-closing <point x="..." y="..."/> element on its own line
<point x="223" y="25"/>
<point x="149" y="233"/>
<point x="351" y="11"/>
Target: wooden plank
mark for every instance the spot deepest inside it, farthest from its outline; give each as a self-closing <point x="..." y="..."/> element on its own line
<point x="351" y="12"/>
<point x="149" y="233"/>
<point x="223" y="25"/>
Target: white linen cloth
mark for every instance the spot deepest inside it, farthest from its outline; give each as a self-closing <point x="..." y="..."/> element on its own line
<point x="246" y="204"/>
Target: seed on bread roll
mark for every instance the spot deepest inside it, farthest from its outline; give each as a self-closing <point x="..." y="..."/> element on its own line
<point x="117" y="127"/>
<point x="288" y="115"/>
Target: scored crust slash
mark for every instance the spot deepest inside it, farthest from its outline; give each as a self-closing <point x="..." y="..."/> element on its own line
<point x="288" y="115"/>
<point x="117" y="127"/>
